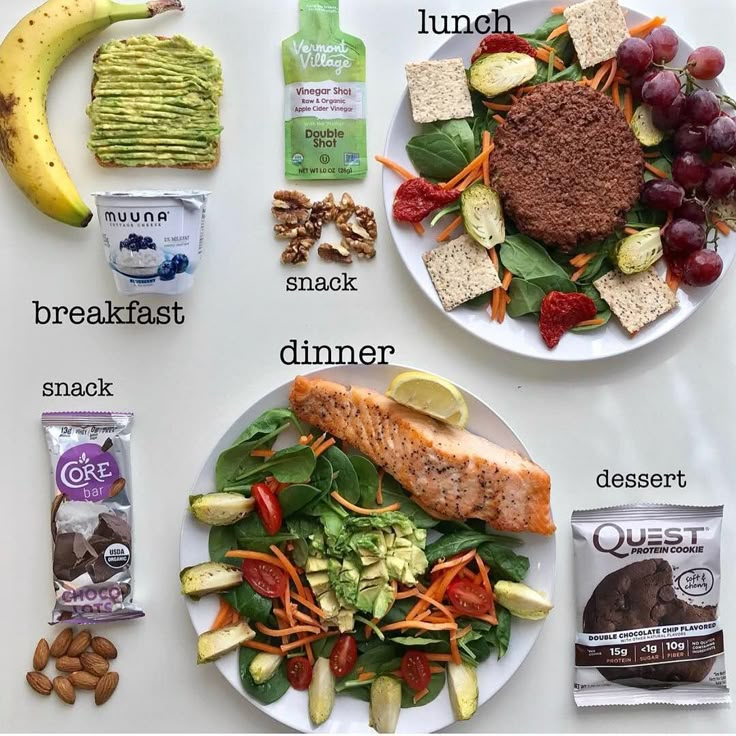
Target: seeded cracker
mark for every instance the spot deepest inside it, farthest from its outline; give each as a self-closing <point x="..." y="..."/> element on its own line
<point x="597" y="28"/>
<point x="636" y="300"/>
<point x="438" y="90"/>
<point x="461" y="270"/>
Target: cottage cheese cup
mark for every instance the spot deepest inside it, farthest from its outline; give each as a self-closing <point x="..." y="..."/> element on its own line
<point x="153" y="239"/>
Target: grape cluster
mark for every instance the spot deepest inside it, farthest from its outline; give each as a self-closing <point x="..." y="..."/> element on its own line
<point x="702" y="133"/>
<point x="135" y="243"/>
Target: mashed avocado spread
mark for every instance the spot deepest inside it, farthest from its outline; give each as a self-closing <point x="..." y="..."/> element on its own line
<point x="156" y="103"/>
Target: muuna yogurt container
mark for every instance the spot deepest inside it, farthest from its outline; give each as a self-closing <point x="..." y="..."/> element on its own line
<point x="153" y="239"/>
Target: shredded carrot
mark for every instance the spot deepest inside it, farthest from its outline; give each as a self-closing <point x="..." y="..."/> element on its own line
<point x="466" y="573"/>
<point x="283" y="623"/>
<point x="262" y="453"/>
<point x="722" y="227"/>
<point x="437" y="604"/>
<point x="486" y="144"/>
<point x="244" y="554"/>
<point x="628" y="105"/>
<point x="591" y="323"/>
<point x="487" y="617"/>
<point x="288" y="606"/>
<point x="494" y="305"/>
<point x="420" y="694"/>
<point x="318" y="442"/>
<point x="600" y="75"/>
<point x="306" y="439"/>
<point x="411" y="593"/>
<point x="285" y="632"/>
<point x="396" y="168"/>
<point x="460" y="633"/>
<point x="284" y="562"/>
<point x="447" y="232"/>
<point x="363" y="676"/>
<point x="579" y="273"/>
<point x="644" y="28"/>
<point x="497" y="106"/>
<point x="494" y="258"/>
<point x="462" y="560"/>
<point x="672" y="281"/>
<point x="503" y="299"/>
<point x="558" y="10"/>
<point x="223" y="615"/>
<point x="508" y="276"/>
<point x="611" y="75"/>
<point x="472" y="166"/>
<point x="657" y="172"/>
<point x="630" y="231"/>
<point x="359" y="510"/>
<point x="310" y="653"/>
<point x="436" y="669"/>
<point x="324" y="446"/>
<point x="447" y="626"/>
<point x="616" y="94"/>
<point x="306" y="619"/>
<point x="543" y="54"/>
<point x="261" y="647"/>
<point x="439" y="657"/>
<point x="306" y="640"/>
<point x="474" y="176"/>
<point x="499" y="119"/>
<point x="559" y="31"/>
<point x="311" y="606"/>
<point x="455" y="651"/>
<point x="484" y="574"/>
<point x="419" y="228"/>
<point x="234" y="618"/>
<point x="379" y="489"/>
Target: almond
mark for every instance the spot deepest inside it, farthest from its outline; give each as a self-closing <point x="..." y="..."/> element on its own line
<point x="106" y="687"/>
<point x="65" y="690"/>
<point x="39" y="682"/>
<point x="69" y="664"/>
<point x="117" y="487"/>
<point x="79" y="644"/>
<point x="83" y="680"/>
<point x="94" y="664"/>
<point x="41" y="655"/>
<point x="61" y="643"/>
<point x="104" y="647"/>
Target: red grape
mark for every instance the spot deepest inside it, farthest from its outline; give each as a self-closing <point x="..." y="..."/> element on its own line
<point x="637" y="83"/>
<point x="661" y="90"/>
<point x="682" y="237"/>
<point x="721" y="135"/>
<point x="707" y="62"/>
<point x="664" y="43"/>
<point x="691" y="210"/>
<point x="635" y="55"/>
<point x="702" y="107"/>
<point x="721" y="180"/>
<point x="669" y="118"/>
<point x="689" y="170"/>
<point x="662" y="194"/>
<point x="703" y="268"/>
<point x="691" y="138"/>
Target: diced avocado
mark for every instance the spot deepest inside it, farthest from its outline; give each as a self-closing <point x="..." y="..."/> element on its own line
<point x="329" y="604"/>
<point x="483" y="215"/>
<point x="371" y="542"/>
<point x="208" y="578"/>
<point x="214" y="644"/>
<point x="383" y="602"/>
<point x="396" y="567"/>
<point x="643" y="127"/>
<point x="264" y="666"/>
<point x="639" y="252"/>
<point x="368" y="596"/>
<point x="494" y="74"/>
<point x="321" y="692"/>
<point x="521" y="600"/>
<point x="319" y="582"/>
<point x="345" y="620"/>
<point x="385" y="706"/>
<point x="368" y="559"/>
<point x="316" y="564"/>
<point x="462" y="681"/>
<point x="220" y="509"/>
<point x="376" y="571"/>
<point x="420" y="537"/>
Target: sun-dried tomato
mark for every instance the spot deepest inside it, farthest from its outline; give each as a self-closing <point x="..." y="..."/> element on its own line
<point x="504" y="43"/>
<point x="561" y="312"/>
<point x="417" y="198"/>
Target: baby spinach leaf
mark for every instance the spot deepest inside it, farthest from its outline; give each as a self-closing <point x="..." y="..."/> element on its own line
<point x="436" y="684"/>
<point x="345" y="478"/>
<point x="323" y="474"/>
<point x="461" y="134"/>
<point x="543" y="32"/>
<point x="367" y="480"/>
<point x="394" y="493"/>
<point x="660" y="163"/>
<point x="270" y="691"/>
<point x="269" y="422"/>
<point x="459" y="542"/>
<point x="323" y="647"/>
<point x="436" y="156"/>
<point x="504" y="563"/>
<point x="414" y="641"/>
<point x="573" y="73"/>
<point x="222" y="539"/>
<point x="378" y="657"/>
<point x="296" y="497"/>
<point x="555" y="283"/>
<point x="599" y="266"/>
<point x="250" y="535"/>
<point x="302" y="528"/>
<point x="592" y="292"/>
<point x="291" y="465"/>
<point x="526" y="298"/>
<point x="248" y="603"/>
<point x="527" y="259"/>
<point x="605" y="315"/>
<point x="500" y="636"/>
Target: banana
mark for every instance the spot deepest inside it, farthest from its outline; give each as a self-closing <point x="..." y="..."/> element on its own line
<point x="29" y="57"/>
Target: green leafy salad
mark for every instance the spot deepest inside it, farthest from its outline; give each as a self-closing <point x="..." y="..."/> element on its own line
<point x="331" y="579"/>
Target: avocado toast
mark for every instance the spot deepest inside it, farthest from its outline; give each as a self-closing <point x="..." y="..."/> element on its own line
<point x="155" y="103"/>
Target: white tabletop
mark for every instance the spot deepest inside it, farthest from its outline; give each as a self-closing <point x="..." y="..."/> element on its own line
<point x="665" y="408"/>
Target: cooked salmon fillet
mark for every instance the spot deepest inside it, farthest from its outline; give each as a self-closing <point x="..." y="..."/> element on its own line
<point x="450" y="472"/>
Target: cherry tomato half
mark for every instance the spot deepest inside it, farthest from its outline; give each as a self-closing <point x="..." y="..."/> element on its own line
<point x="469" y="597"/>
<point x="299" y="673"/>
<point x="344" y="656"/>
<point x="415" y="670"/>
<point x="268" y="507"/>
<point x="267" y="579"/>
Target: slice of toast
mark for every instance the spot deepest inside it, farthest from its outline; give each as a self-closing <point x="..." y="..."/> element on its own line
<point x="194" y="166"/>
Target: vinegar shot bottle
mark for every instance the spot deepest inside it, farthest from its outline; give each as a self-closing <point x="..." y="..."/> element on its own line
<point x="324" y="74"/>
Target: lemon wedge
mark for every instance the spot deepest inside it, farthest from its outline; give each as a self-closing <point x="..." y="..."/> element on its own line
<point x="430" y="395"/>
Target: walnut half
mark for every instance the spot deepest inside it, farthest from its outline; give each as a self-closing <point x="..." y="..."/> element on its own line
<point x="360" y="235"/>
<point x="291" y="207"/>
<point x="336" y="253"/>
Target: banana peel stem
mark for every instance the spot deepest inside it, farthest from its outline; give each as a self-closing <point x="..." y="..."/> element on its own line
<point x="139" y="11"/>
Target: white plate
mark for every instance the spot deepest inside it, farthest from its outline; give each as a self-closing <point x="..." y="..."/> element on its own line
<point x="350" y="715"/>
<point x="520" y="335"/>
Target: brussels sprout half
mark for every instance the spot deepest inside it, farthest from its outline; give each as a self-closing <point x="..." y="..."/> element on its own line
<point x="494" y="74"/>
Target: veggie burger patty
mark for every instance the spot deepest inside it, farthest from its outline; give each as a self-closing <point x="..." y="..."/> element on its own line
<point x="566" y="165"/>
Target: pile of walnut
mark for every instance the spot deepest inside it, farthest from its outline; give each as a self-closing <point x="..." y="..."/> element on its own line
<point x="83" y="663"/>
<point x="300" y="222"/>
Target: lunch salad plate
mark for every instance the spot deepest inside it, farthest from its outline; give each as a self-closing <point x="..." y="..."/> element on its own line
<point x="522" y="335"/>
<point x="351" y="715"/>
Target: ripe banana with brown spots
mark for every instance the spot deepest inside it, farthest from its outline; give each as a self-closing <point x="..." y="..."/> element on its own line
<point x="29" y="57"/>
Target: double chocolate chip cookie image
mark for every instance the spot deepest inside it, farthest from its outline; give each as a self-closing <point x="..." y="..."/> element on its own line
<point x="639" y="596"/>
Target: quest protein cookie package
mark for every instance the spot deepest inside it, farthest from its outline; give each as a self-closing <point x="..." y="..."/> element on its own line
<point x="647" y="592"/>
